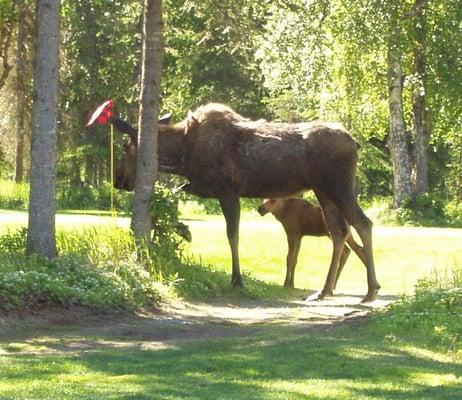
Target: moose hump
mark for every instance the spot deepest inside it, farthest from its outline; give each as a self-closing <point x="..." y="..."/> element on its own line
<point x="226" y="152"/>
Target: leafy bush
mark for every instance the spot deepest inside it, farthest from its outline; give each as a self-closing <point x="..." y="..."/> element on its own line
<point x="432" y="314"/>
<point x="168" y="232"/>
<point x="14" y="242"/>
<point x="97" y="269"/>
<point x="426" y="210"/>
<point x="14" y="195"/>
<point x="87" y="197"/>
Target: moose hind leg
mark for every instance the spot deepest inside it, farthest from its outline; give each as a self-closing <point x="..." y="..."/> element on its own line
<point x="343" y="260"/>
<point x="363" y="225"/>
<point x="232" y="210"/>
<point x="338" y="229"/>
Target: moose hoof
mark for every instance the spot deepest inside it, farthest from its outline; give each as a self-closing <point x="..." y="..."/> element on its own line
<point x="370" y="296"/>
<point x="318" y="296"/>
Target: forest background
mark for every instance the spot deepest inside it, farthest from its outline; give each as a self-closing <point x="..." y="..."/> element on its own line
<point x="390" y="71"/>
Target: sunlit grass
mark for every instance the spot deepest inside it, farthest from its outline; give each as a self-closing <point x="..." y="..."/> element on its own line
<point x="279" y="363"/>
<point x="402" y="254"/>
<point x="275" y="362"/>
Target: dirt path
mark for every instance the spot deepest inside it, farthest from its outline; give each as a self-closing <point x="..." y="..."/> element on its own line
<point x="60" y="330"/>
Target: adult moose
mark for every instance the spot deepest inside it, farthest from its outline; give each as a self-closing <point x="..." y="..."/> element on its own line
<point x="226" y="156"/>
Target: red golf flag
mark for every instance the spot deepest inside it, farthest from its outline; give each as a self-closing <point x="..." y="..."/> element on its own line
<point x="102" y="114"/>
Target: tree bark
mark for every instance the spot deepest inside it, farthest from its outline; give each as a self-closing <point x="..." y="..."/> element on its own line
<point x="6" y="34"/>
<point x="420" y="117"/>
<point x="21" y="96"/>
<point x="397" y="140"/>
<point x="42" y="205"/>
<point x="151" y="74"/>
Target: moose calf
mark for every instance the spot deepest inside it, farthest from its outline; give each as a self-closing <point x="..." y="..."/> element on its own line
<point x="301" y="218"/>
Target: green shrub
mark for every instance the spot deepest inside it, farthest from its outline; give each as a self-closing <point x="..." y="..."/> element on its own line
<point x="426" y="210"/>
<point x="87" y="197"/>
<point x="169" y="233"/>
<point x="453" y="211"/>
<point x="70" y="280"/>
<point x="432" y="315"/>
<point x="95" y="268"/>
<point x="14" y="195"/>
<point x="14" y="242"/>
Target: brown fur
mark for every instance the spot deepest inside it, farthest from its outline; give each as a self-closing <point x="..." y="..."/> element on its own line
<point x="301" y="218"/>
<point x="226" y="156"/>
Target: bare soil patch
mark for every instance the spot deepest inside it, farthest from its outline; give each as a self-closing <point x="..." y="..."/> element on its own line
<point x="78" y="329"/>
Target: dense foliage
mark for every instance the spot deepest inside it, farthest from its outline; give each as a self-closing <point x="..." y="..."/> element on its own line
<point x="432" y="314"/>
<point x="286" y="60"/>
<point x="95" y="269"/>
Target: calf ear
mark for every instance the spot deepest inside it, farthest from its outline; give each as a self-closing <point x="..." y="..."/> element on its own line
<point x="165" y="119"/>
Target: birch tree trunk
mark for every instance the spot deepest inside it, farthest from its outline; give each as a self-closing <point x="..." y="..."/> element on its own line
<point x="42" y="204"/>
<point x="21" y="97"/>
<point x="151" y="74"/>
<point x="420" y="117"/>
<point x="397" y="140"/>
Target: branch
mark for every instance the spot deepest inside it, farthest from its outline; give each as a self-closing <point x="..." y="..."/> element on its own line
<point x="416" y="10"/>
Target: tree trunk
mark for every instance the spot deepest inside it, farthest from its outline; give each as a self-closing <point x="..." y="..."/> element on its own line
<point x="21" y="93"/>
<point x="420" y="117"/>
<point x="397" y="140"/>
<point x="151" y="74"/>
<point x="6" y="34"/>
<point x="42" y="206"/>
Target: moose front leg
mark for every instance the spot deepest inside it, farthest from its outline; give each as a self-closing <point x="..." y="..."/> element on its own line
<point x="232" y="210"/>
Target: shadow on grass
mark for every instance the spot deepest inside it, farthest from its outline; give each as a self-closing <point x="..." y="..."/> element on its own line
<point x="197" y="280"/>
<point x="276" y="364"/>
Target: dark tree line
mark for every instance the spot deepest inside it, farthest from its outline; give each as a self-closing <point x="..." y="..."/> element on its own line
<point x="390" y="71"/>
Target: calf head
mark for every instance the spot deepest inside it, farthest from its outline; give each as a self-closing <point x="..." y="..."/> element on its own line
<point x="269" y="205"/>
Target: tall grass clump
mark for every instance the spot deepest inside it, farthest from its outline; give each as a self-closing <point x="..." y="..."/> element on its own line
<point x="14" y="195"/>
<point x="432" y="315"/>
<point x="97" y="268"/>
<point x="88" y="197"/>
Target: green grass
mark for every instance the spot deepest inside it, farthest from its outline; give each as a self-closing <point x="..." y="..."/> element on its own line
<point x="402" y="254"/>
<point x="403" y="354"/>
<point x="281" y="363"/>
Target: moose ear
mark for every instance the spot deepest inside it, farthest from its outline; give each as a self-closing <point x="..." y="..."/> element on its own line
<point x="165" y="119"/>
<point x="191" y="122"/>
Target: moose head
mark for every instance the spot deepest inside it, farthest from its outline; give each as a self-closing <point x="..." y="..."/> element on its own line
<point x="125" y="173"/>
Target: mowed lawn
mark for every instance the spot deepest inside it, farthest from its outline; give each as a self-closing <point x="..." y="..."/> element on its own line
<point x="402" y="254"/>
<point x="268" y="361"/>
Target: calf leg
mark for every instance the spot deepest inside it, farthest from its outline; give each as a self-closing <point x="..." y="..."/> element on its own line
<point x="338" y="230"/>
<point x="293" y="241"/>
<point x="232" y="210"/>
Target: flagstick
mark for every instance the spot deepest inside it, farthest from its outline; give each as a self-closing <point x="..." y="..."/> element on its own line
<point x="112" y="171"/>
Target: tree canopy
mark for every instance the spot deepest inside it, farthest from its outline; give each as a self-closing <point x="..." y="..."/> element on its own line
<point x="290" y="60"/>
